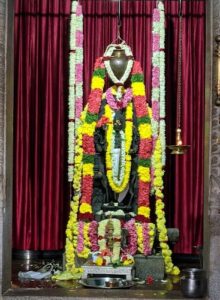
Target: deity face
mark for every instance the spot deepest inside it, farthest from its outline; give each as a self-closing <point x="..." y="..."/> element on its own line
<point x="118" y="62"/>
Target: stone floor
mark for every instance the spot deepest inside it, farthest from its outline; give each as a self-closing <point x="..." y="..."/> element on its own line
<point x="169" y="288"/>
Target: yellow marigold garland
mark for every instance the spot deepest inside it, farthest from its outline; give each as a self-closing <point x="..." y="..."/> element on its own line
<point x="128" y="139"/>
<point x="88" y="130"/>
<point x="71" y="230"/>
<point x="140" y="237"/>
<point x="161" y="221"/>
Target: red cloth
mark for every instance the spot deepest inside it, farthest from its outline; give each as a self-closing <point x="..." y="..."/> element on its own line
<point x="40" y="143"/>
<point x="41" y="64"/>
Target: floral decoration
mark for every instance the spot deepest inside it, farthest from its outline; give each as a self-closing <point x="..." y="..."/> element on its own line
<point x="88" y="129"/>
<point x="75" y="81"/>
<point x="120" y="185"/>
<point x="145" y="144"/>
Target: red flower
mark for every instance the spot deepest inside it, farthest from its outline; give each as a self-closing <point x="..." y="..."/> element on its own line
<point x="106" y="252"/>
<point x="94" y="101"/>
<point x="87" y="188"/>
<point x="136" y="68"/>
<point x="145" y="148"/>
<point x="140" y="106"/>
<point x="88" y="144"/>
<point x="86" y="216"/>
<point x="104" y="120"/>
<point x="143" y="193"/>
<point x="149" y="280"/>
<point x="142" y="219"/>
<point x="99" y="63"/>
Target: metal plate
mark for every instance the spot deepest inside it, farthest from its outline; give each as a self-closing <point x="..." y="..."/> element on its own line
<point x="106" y="283"/>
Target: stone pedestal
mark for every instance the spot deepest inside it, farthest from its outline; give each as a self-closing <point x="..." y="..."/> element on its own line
<point x="152" y="265"/>
<point x="90" y="270"/>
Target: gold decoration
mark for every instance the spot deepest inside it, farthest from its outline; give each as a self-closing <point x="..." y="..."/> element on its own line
<point x="178" y="148"/>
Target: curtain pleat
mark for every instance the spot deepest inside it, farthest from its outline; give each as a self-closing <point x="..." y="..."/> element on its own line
<point x="41" y="76"/>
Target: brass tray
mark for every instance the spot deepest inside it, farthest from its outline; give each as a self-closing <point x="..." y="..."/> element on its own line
<point x="106" y="283"/>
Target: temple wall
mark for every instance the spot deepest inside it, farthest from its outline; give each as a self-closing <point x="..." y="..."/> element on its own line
<point x="6" y="138"/>
<point x="2" y="131"/>
<point x="214" y="183"/>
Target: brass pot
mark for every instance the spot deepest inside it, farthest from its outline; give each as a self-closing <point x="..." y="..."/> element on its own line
<point x="193" y="283"/>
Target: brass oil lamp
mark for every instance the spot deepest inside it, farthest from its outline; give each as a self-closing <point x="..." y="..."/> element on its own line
<point x="179" y="148"/>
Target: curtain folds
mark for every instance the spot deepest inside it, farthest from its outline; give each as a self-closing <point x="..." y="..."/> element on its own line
<point x="41" y="76"/>
<point x="41" y="64"/>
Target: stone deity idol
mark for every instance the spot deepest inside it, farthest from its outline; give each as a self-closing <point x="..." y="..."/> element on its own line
<point x="104" y="198"/>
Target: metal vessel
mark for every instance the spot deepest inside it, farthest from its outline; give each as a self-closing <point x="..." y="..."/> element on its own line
<point x="193" y="283"/>
<point x="106" y="283"/>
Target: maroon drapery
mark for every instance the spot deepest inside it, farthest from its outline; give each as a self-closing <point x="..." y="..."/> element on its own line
<point x="41" y="61"/>
<point x="41" y="58"/>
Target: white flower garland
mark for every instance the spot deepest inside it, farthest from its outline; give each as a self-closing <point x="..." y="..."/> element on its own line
<point x="122" y="159"/>
<point x="162" y="83"/>
<point x="75" y="81"/>
<point x="110" y="49"/>
<point x="158" y="80"/>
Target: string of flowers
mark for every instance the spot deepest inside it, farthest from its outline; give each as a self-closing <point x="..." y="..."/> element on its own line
<point x="160" y="214"/>
<point x="131" y="247"/>
<point x="158" y="128"/>
<point x="108" y="53"/>
<point x="75" y="80"/>
<point x="145" y="143"/>
<point x="116" y="239"/>
<point x="93" y="235"/>
<point x="118" y="186"/>
<point x="158" y="81"/>
<point x="162" y="82"/>
<point x="72" y="227"/>
<point x="116" y="105"/>
<point x="145" y="237"/>
<point x="118" y="179"/>
<point x="88" y="130"/>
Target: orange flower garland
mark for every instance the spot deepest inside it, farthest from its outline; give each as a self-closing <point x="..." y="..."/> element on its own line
<point x="88" y="129"/>
<point x="145" y="144"/>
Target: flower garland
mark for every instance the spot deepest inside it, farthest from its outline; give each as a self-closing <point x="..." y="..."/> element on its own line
<point x="132" y="237"/>
<point x="115" y="162"/>
<point x="121" y="103"/>
<point x="145" y="144"/>
<point x="108" y="53"/>
<point x="145" y="237"/>
<point x="84" y="163"/>
<point x="162" y="82"/>
<point x="115" y="255"/>
<point x="158" y="128"/>
<point x="93" y="235"/>
<point x="88" y="129"/>
<point x="158" y="81"/>
<point x="83" y="241"/>
<point x="75" y="80"/>
<point x="115" y="185"/>
<point x="72" y="228"/>
<point x="161" y="221"/>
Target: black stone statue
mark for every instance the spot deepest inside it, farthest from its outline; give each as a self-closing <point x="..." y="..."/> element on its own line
<point x="104" y="199"/>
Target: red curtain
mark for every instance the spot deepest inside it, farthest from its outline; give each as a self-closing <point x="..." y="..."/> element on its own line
<point x="41" y="58"/>
<point x="40" y="181"/>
